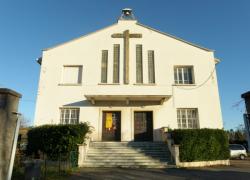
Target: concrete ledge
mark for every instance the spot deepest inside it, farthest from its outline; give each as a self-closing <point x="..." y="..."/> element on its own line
<point x="9" y="91"/>
<point x="204" y="163"/>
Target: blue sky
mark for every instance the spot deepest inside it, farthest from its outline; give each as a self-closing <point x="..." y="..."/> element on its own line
<point x="28" y="26"/>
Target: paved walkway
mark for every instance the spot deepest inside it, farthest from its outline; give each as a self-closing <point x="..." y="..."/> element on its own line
<point x="237" y="171"/>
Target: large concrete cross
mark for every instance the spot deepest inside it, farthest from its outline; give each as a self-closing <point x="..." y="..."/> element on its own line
<point x="125" y="35"/>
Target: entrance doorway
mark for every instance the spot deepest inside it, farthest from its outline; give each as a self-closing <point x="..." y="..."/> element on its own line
<point x="143" y="126"/>
<point x="111" y="126"/>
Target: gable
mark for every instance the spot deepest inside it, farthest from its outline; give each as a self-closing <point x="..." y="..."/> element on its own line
<point x="138" y="24"/>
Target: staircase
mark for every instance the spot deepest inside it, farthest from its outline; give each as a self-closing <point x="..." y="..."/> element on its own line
<point x="127" y="154"/>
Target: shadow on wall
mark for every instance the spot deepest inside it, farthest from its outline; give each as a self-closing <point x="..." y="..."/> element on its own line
<point x="86" y="103"/>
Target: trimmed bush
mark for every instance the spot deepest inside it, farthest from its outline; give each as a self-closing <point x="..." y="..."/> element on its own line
<point x="54" y="140"/>
<point x="201" y="144"/>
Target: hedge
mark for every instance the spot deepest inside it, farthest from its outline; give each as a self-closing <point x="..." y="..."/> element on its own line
<point x="54" y="140"/>
<point x="201" y="144"/>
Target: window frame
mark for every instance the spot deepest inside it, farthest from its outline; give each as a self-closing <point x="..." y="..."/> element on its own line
<point x="116" y="64"/>
<point x="177" y="79"/>
<point x="151" y="70"/>
<point x="70" y="109"/>
<point x="104" y="70"/>
<point x="139" y="64"/>
<point x="186" y="120"/>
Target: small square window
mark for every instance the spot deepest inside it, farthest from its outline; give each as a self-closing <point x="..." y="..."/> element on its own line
<point x="183" y="75"/>
<point x="72" y="75"/>
<point x="69" y="115"/>
<point x="187" y="118"/>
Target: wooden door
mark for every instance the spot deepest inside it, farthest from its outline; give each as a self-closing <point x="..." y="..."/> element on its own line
<point x="143" y="126"/>
<point x="111" y="126"/>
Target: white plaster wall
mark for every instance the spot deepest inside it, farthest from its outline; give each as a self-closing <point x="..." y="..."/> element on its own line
<point x="86" y="51"/>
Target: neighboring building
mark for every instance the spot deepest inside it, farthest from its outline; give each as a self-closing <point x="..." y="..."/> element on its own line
<point x="246" y="97"/>
<point x="128" y="81"/>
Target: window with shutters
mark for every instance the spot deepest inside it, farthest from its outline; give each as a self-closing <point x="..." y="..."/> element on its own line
<point x="104" y="66"/>
<point x="72" y="75"/>
<point x="69" y="115"/>
<point x="151" y="67"/>
<point x="116" y="64"/>
<point x="183" y="75"/>
<point x="187" y="118"/>
<point x="139" y="70"/>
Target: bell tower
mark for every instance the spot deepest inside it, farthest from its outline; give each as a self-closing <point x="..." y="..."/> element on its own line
<point x="127" y="14"/>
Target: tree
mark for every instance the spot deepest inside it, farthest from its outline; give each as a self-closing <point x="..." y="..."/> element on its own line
<point x="237" y="135"/>
<point x="25" y="122"/>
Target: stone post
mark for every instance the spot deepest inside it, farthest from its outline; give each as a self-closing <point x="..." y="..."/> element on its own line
<point x="177" y="154"/>
<point x="9" y="101"/>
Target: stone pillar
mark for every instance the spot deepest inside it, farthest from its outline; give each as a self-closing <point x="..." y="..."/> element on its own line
<point x="9" y="101"/>
<point x="177" y="154"/>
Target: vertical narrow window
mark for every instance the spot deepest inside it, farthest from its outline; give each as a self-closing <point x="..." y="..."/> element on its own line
<point x="151" y="67"/>
<point x="104" y="73"/>
<point x="139" y="70"/>
<point x="116" y="64"/>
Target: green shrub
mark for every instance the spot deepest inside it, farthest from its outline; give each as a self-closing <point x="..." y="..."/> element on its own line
<point x="54" y="140"/>
<point x="201" y="144"/>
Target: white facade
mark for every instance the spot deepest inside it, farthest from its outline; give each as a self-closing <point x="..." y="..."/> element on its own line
<point x="169" y="52"/>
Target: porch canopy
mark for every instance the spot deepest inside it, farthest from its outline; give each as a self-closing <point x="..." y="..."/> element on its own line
<point x="128" y="99"/>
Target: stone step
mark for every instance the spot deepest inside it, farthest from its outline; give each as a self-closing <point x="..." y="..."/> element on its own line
<point x="127" y="154"/>
<point x="125" y="163"/>
<point x="123" y="166"/>
<point x="128" y="157"/>
<point x="127" y="144"/>
<point x="121" y="143"/>
<point x="126" y="151"/>
<point x="128" y="160"/>
<point x="128" y="148"/>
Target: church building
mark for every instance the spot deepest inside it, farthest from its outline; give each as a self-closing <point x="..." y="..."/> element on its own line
<point x="129" y="81"/>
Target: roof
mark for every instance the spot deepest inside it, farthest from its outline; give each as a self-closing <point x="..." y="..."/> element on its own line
<point x="46" y="49"/>
<point x="142" y="25"/>
<point x="177" y="38"/>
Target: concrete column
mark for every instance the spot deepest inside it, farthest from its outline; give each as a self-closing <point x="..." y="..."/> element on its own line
<point x="9" y="101"/>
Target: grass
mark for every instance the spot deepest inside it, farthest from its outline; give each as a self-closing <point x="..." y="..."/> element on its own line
<point x="52" y="173"/>
<point x="18" y="173"/>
